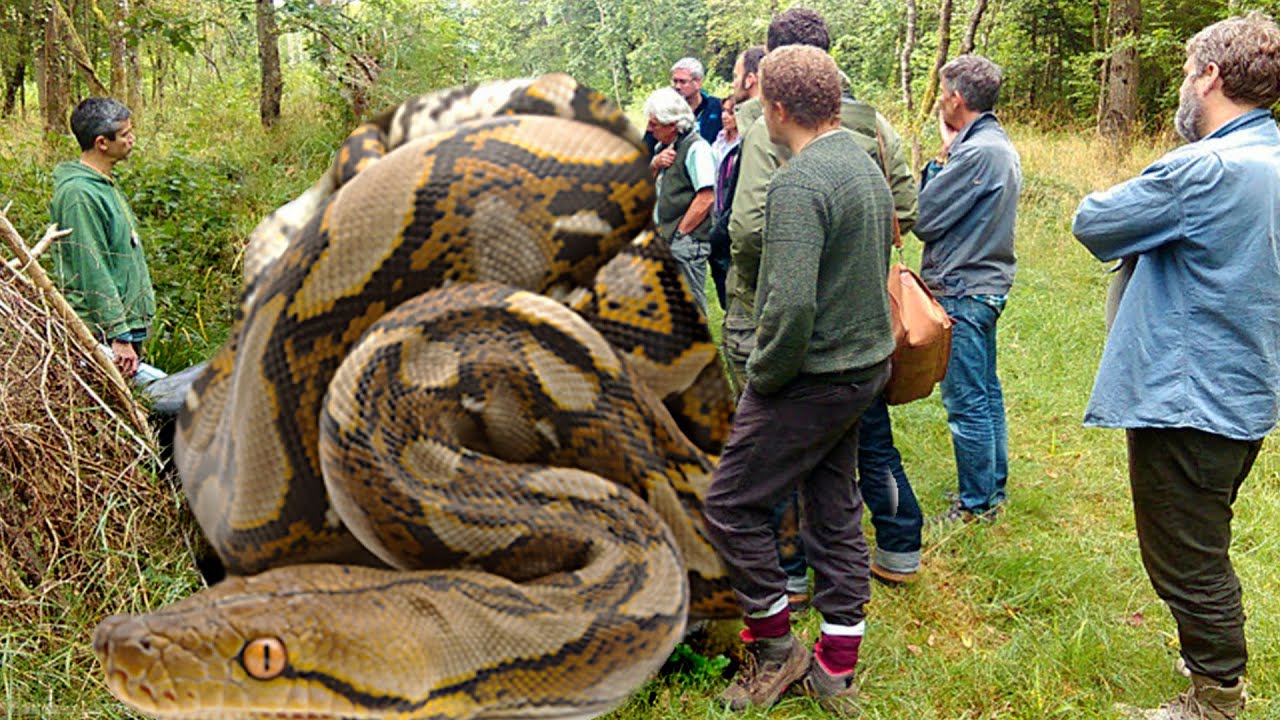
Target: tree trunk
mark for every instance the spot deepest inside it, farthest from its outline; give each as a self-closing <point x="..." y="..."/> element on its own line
<point x="971" y="34"/>
<point x="269" y="58"/>
<point x="1099" y="31"/>
<point x="13" y="86"/>
<point x="904" y="68"/>
<point x="1119" y="107"/>
<point x="79" y="53"/>
<point x="20" y="28"/>
<point x="55" y="100"/>
<point x="944" y="47"/>
<point x="115" y="36"/>
<point x="904" y="62"/>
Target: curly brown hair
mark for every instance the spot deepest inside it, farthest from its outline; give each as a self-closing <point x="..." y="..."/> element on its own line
<point x="1246" y="50"/>
<point x="798" y="26"/>
<point x="805" y="81"/>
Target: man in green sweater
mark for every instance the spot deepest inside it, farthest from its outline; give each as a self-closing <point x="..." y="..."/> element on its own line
<point x="100" y="265"/>
<point x="821" y="358"/>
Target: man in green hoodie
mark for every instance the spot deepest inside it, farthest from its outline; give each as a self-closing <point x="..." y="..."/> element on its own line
<point x="100" y="265"/>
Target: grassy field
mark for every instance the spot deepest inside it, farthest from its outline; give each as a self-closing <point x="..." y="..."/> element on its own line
<point x="1045" y="614"/>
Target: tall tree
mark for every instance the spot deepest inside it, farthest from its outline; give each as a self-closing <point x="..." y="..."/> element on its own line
<point x="15" y="52"/>
<point x="133" y="61"/>
<point x="904" y="68"/>
<point x="269" y="60"/>
<point x="971" y="33"/>
<point x="119" y="51"/>
<point x="939" y="59"/>
<point x="70" y="39"/>
<point x="52" y="71"/>
<point x="1119" y="107"/>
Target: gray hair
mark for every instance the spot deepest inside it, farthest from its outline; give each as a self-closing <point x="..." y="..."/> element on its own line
<point x="667" y="106"/>
<point x="976" y="78"/>
<point x="691" y="64"/>
<point x="97" y="116"/>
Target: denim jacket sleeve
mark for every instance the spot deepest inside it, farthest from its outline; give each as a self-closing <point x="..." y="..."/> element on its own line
<point x="1141" y="214"/>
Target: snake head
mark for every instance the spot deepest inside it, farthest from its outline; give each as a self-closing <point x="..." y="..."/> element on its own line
<point x="328" y="641"/>
<point x="260" y="647"/>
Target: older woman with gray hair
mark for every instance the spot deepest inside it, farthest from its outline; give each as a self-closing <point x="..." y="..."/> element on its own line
<point x="685" y="172"/>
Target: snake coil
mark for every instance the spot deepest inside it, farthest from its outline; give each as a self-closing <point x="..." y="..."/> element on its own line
<point x="455" y="449"/>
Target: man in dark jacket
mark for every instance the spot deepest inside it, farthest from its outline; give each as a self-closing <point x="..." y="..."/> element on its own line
<point x="101" y="265"/>
<point x="968" y="206"/>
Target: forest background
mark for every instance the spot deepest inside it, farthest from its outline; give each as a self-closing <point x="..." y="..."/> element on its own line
<point x="240" y="104"/>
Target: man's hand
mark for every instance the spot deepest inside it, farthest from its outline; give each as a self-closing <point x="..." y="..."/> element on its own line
<point x="663" y="160"/>
<point x="125" y="358"/>
<point x="948" y="135"/>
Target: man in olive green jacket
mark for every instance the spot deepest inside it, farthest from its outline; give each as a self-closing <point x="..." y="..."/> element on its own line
<point x="101" y="265"/>
<point x="758" y="160"/>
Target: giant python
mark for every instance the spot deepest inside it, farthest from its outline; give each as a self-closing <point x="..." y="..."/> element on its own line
<point x="454" y="452"/>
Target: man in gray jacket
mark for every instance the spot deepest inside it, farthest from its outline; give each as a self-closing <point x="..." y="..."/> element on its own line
<point x="968" y="205"/>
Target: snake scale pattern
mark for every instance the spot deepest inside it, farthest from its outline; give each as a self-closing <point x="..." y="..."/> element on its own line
<point x="454" y="453"/>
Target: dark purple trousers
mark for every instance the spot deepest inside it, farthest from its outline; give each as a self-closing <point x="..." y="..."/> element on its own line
<point x="804" y="436"/>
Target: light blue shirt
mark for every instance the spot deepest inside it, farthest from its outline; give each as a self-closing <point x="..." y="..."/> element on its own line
<point x="1196" y="338"/>
<point x="968" y="209"/>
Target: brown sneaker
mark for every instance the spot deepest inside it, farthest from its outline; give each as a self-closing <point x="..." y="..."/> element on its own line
<point x="835" y="694"/>
<point x="889" y="577"/>
<point x="770" y="667"/>
<point x="1204" y="700"/>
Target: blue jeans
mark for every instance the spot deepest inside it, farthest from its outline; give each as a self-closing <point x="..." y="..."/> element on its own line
<point x="974" y="401"/>
<point x="887" y="492"/>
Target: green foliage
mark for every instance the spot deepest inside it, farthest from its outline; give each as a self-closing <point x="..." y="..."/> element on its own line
<point x="180" y="29"/>
<point x="189" y="253"/>
<point x="420" y="48"/>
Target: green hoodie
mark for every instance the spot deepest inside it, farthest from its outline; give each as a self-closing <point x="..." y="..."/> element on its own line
<point x="100" y="266"/>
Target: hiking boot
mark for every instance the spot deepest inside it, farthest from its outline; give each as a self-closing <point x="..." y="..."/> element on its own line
<point x="798" y="602"/>
<point x="890" y="577"/>
<point x="769" y="668"/>
<point x="1204" y="700"/>
<point x="837" y="694"/>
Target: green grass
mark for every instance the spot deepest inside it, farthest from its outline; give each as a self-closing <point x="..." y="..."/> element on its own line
<point x="1046" y="614"/>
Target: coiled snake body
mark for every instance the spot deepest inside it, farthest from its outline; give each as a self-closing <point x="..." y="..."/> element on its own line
<point x="456" y="447"/>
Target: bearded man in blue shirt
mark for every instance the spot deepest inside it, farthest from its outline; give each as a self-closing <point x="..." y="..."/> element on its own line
<point x="1191" y="367"/>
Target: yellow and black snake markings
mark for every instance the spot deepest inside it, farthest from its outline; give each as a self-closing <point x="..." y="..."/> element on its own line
<point x="462" y="370"/>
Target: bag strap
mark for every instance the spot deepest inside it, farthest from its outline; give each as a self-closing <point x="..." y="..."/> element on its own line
<point x="884" y="167"/>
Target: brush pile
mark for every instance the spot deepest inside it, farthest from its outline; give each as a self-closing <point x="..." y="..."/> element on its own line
<point x="87" y="523"/>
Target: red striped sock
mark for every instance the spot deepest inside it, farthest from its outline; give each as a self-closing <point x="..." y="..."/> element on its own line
<point x="838" y="654"/>
<point x="774" y="626"/>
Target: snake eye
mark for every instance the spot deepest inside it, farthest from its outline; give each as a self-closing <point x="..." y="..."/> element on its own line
<point x="264" y="658"/>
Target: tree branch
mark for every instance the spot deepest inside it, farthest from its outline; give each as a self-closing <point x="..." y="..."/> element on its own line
<point x="75" y="326"/>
